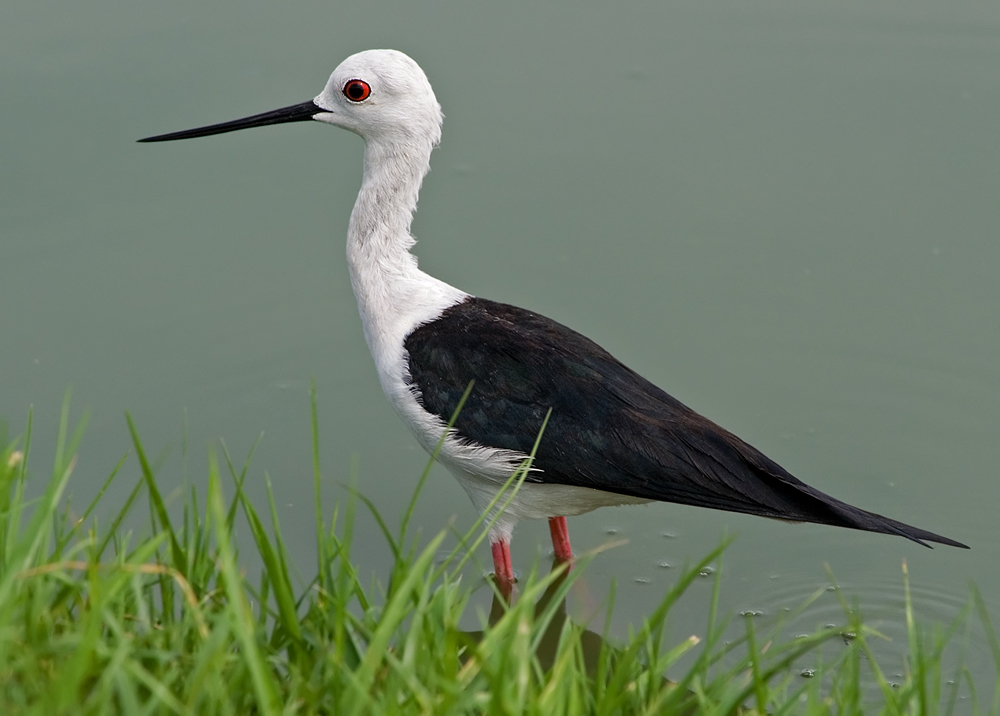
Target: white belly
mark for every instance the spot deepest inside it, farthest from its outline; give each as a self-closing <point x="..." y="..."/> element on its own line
<point x="534" y="500"/>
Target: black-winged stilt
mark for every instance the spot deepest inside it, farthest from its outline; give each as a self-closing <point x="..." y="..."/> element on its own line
<point x="613" y="437"/>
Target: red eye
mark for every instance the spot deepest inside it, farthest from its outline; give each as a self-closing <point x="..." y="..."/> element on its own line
<point x="357" y="90"/>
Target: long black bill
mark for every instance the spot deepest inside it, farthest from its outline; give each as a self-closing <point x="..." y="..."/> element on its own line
<point x="296" y="113"/>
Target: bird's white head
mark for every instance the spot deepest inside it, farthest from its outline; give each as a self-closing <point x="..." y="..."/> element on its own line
<point x="383" y="96"/>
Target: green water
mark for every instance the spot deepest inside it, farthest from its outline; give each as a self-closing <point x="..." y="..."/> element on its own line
<point x="784" y="213"/>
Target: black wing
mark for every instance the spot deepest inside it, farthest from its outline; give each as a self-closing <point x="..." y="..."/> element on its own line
<point x="610" y="428"/>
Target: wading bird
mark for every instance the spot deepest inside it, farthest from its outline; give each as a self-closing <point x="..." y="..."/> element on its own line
<point x="612" y="437"/>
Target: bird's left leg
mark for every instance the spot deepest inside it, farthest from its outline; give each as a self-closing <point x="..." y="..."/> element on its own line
<point x="503" y="569"/>
<point x="560" y="539"/>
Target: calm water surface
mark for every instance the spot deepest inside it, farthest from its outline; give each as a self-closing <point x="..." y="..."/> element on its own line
<point x="783" y="213"/>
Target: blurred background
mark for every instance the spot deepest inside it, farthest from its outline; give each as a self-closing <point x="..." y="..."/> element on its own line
<point x="783" y="213"/>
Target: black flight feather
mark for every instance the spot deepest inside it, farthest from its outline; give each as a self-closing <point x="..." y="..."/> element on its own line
<point x="610" y="428"/>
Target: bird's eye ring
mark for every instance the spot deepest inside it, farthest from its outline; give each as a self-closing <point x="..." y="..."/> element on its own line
<point x="357" y="90"/>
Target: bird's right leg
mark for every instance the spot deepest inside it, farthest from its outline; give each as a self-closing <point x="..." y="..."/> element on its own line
<point x="560" y="539"/>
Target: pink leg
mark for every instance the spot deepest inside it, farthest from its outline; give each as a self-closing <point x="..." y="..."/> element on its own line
<point x="503" y="570"/>
<point x="560" y="539"/>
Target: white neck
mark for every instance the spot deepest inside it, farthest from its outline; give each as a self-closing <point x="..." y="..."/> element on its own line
<point x="379" y="231"/>
<point x="393" y="295"/>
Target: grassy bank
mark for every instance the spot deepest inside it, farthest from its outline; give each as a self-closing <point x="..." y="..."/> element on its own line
<point x="97" y="620"/>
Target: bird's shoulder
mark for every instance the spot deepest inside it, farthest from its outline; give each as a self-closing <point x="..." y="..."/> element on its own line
<point x="514" y="348"/>
<point x="522" y="364"/>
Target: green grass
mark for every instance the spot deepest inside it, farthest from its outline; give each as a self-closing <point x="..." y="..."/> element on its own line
<point x="94" y="619"/>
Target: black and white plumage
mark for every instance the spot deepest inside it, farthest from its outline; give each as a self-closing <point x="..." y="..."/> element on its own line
<point x="613" y="437"/>
<point x="610" y="428"/>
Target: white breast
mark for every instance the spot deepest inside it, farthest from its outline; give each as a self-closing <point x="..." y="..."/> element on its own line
<point x="388" y="318"/>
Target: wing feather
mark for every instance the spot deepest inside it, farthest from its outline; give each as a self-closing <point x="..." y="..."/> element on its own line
<point x="610" y="428"/>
